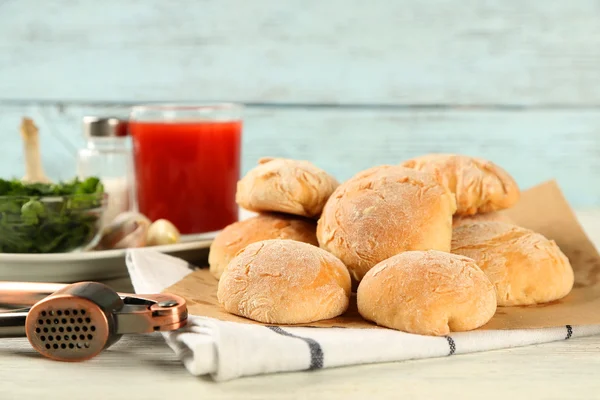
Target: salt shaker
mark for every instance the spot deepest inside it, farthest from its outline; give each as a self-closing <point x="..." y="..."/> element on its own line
<point x="108" y="156"/>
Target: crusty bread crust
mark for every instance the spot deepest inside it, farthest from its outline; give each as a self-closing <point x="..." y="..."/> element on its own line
<point x="427" y="293"/>
<point x="459" y="220"/>
<point x="288" y="186"/>
<point x="265" y="226"/>
<point x="524" y="266"/>
<point x="480" y="185"/>
<point x="284" y="282"/>
<point x="383" y="211"/>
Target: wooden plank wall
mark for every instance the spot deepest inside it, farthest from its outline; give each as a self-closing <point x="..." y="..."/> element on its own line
<point x="346" y="84"/>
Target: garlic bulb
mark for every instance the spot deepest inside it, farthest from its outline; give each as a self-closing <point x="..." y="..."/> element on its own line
<point x="127" y="230"/>
<point x="162" y="232"/>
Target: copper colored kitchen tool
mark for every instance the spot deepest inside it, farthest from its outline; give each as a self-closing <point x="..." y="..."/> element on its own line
<point x="78" y="321"/>
<point x="25" y="294"/>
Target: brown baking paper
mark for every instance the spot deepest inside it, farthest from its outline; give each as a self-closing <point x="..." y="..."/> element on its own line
<point x="542" y="208"/>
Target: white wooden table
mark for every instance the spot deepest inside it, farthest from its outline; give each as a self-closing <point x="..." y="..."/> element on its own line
<point x="143" y="367"/>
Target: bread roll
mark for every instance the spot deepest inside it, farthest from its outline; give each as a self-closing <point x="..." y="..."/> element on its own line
<point x="288" y="186"/>
<point x="480" y="186"/>
<point x="284" y="282"/>
<point x="383" y="211"/>
<point x="427" y="293"/>
<point x="524" y="266"/>
<point x="261" y="227"/>
<point x="459" y="220"/>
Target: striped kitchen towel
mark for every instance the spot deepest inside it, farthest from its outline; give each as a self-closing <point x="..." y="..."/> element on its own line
<point x="229" y="350"/>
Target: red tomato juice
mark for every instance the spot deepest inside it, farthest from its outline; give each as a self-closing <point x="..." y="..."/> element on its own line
<point x="187" y="172"/>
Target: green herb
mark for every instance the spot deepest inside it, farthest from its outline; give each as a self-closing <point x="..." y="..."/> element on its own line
<point x="49" y="218"/>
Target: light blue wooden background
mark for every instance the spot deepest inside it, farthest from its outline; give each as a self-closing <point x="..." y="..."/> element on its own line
<point x="346" y="84"/>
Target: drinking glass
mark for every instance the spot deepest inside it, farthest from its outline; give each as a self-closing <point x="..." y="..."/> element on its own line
<point x="187" y="163"/>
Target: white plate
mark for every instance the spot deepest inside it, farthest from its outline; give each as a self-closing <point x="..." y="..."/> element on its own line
<point x="93" y="265"/>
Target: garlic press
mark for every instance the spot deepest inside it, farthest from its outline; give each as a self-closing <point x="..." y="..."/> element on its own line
<point x="76" y="322"/>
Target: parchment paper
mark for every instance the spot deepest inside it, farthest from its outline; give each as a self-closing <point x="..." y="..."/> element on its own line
<point x="542" y="208"/>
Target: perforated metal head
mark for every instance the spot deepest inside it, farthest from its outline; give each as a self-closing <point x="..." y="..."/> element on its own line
<point x="75" y="323"/>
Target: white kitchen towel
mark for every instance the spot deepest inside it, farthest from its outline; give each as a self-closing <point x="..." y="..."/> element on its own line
<point x="229" y="350"/>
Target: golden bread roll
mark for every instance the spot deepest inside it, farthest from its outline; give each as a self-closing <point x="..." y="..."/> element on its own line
<point x="427" y="293"/>
<point x="288" y="186"/>
<point x="238" y="235"/>
<point x="524" y="266"/>
<point x="459" y="220"/>
<point x="383" y="211"/>
<point x="284" y="282"/>
<point x="480" y="186"/>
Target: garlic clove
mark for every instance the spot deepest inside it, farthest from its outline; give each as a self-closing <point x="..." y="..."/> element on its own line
<point x="127" y="230"/>
<point x="162" y="232"/>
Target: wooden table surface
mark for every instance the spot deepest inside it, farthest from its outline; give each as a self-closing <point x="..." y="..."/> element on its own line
<point x="143" y="367"/>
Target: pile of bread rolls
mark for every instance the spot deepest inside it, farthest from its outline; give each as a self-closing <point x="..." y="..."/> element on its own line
<point x="423" y="242"/>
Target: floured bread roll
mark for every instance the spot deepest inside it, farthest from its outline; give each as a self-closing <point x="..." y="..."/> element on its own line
<point x="284" y="282"/>
<point x="288" y="186"/>
<point x="480" y="186"/>
<point x="383" y="211"/>
<point x="427" y="293"/>
<point x="261" y="227"/>
<point x="524" y="266"/>
<point x="459" y="220"/>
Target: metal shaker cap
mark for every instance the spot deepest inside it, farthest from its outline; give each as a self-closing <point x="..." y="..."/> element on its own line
<point x="104" y="127"/>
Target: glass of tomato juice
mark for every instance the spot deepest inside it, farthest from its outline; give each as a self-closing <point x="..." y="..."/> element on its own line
<point x="187" y="164"/>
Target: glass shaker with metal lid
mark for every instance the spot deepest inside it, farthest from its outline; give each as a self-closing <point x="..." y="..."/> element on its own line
<point x="107" y="155"/>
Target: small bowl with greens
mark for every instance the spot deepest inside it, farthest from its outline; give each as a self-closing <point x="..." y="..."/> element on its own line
<point x="50" y="218"/>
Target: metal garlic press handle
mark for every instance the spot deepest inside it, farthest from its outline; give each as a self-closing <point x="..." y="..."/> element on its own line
<point x="25" y="294"/>
<point x="12" y="324"/>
